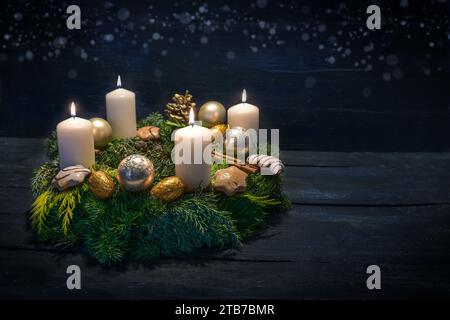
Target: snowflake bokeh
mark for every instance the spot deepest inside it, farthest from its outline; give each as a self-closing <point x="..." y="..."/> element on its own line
<point x="313" y="66"/>
<point x="31" y="33"/>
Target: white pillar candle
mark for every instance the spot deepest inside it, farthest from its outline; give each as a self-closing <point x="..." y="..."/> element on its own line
<point x="121" y="112"/>
<point x="193" y="163"/>
<point x="75" y="141"/>
<point x="244" y="115"/>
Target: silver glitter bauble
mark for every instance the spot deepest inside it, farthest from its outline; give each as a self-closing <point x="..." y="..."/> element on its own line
<point x="135" y="173"/>
<point x="212" y="113"/>
<point x="236" y="141"/>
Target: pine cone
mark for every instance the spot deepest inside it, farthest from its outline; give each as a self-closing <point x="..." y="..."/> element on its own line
<point x="178" y="110"/>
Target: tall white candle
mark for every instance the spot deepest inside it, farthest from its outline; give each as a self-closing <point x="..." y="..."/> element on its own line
<point x="243" y="114"/>
<point x="75" y="141"/>
<point x="121" y="111"/>
<point x="193" y="167"/>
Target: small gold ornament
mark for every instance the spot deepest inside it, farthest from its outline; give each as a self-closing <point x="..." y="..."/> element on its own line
<point x="169" y="189"/>
<point x="212" y="113"/>
<point x="218" y="131"/>
<point x="102" y="132"/>
<point x="178" y="110"/>
<point x="230" y="181"/>
<point x="135" y="173"/>
<point x="101" y="184"/>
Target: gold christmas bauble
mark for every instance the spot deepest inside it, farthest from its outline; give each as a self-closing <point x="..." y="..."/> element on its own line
<point x="101" y="184"/>
<point x="212" y="113"/>
<point x="102" y="132"/>
<point x="135" y="173"/>
<point x="168" y="189"/>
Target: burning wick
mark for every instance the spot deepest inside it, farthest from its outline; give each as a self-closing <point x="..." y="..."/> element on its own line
<point x="73" y="112"/>
<point x="119" y="82"/>
<point x="244" y="96"/>
<point x="191" y="117"/>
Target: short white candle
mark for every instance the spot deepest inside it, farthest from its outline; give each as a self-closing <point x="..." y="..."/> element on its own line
<point x="75" y="141"/>
<point x="196" y="171"/>
<point x="243" y="114"/>
<point x="121" y="112"/>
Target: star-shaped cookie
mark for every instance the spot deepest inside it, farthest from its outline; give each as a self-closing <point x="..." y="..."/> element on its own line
<point x="230" y="180"/>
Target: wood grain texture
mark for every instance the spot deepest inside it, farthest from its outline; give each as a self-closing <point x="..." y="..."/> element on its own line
<point x="353" y="210"/>
<point x="312" y="252"/>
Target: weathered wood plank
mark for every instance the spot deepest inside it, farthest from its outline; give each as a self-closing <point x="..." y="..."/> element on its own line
<point x="321" y="251"/>
<point x="352" y="231"/>
<point x="41" y="275"/>
<point x="392" y="232"/>
<point x="10" y="145"/>
<point x="364" y="159"/>
<point x="368" y="186"/>
<point x="18" y="158"/>
<point x="311" y="252"/>
<point x="14" y="201"/>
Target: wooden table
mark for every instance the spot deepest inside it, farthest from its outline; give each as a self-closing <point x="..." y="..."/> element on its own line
<point x="351" y="210"/>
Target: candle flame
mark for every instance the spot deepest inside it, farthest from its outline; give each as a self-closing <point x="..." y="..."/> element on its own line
<point x="119" y="82"/>
<point x="191" y="117"/>
<point x="244" y="96"/>
<point x="73" y="112"/>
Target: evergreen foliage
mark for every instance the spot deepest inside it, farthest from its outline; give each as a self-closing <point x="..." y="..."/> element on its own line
<point x="137" y="226"/>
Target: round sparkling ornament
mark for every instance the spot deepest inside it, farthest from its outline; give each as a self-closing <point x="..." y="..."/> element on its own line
<point x="135" y="173"/>
<point x="236" y="141"/>
<point x="212" y="113"/>
<point x="102" y="132"/>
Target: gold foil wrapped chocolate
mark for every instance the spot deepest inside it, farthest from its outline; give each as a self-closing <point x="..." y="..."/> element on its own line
<point x="101" y="184"/>
<point x="169" y="189"/>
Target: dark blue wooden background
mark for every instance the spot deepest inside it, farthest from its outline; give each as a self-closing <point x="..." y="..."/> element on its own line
<point x="314" y="69"/>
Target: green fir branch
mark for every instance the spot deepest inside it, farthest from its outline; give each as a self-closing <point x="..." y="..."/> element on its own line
<point x="137" y="226"/>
